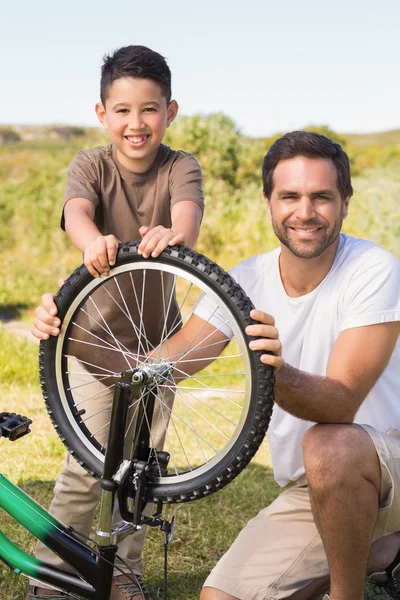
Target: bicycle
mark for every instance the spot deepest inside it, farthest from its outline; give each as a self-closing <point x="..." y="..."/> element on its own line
<point x="217" y="419"/>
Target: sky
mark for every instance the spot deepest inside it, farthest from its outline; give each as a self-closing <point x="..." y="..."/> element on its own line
<point x="271" y="66"/>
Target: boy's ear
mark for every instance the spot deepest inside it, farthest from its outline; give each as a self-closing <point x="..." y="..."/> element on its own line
<point x="101" y="114"/>
<point x="172" y="111"/>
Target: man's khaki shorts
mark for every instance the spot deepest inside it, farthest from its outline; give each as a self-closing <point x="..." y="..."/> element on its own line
<point x="280" y="551"/>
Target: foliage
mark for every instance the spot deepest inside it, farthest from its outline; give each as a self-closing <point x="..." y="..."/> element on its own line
<point x="8" y="136"/>
<point x="34" y="251"/>
<point x="67" y="132"/>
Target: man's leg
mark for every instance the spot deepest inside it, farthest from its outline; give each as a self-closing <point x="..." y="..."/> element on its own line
<point x="208" y="593"/>
<point x="343" y="474"/>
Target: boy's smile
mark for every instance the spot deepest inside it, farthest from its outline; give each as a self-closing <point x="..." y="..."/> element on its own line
<point x="136" y="115"/>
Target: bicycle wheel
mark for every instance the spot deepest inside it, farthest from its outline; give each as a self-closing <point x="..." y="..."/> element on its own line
<point x="210" y="423"/>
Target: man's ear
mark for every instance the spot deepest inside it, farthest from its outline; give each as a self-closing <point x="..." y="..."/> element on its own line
<point x="267" y="206"/>
<point x="101" y="114"/>
<point x="346" y="206"/>
<point x="172" y="111"/>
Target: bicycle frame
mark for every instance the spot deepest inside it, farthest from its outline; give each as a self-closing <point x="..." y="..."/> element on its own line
<point x="93" y="571"/>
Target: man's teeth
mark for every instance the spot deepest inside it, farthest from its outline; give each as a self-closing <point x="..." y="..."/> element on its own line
<point x="306" y="230"/>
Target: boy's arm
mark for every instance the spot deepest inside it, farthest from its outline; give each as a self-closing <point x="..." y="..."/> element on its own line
<point x="186" y="218"/>
<point x="99" y="252"/>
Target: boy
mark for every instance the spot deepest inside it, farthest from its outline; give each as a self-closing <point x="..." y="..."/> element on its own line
<point x="136" y="186"/>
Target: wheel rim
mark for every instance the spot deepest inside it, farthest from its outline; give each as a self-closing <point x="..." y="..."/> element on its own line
<point x="210" y="408"/>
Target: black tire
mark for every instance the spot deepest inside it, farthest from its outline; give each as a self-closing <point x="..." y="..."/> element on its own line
<point x="227" y="464"/>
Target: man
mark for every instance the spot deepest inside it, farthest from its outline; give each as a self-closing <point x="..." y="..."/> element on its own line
<point x="335" y="301"/>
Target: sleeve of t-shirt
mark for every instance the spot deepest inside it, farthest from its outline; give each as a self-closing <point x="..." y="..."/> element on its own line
<point x="82" y="182"/>
<point x="208" y="309"/>
<point x="185" y="181"/>
<point x="372" y="295"/>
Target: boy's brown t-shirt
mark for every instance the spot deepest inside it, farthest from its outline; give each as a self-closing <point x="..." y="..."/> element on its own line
<point x="124" y="201"/>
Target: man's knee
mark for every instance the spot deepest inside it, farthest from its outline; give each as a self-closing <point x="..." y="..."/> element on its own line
<point x="338" y="452"/>
<point x="209" y="593"/>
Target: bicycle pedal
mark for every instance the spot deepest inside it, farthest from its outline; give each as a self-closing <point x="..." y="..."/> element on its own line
<point x="13" y="426"/>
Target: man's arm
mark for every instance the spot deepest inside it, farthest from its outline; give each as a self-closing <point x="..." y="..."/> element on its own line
<point x="357" y="360"/>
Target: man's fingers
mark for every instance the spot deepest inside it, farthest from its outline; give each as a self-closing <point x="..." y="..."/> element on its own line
<point x="272" y="360"/>
<point x="259" y="330"/>
<point x="266" y="344"/>
<point x="262" y="317"/>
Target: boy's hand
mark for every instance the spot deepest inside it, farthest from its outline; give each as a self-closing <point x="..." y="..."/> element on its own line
<point x="46" y="323"/>
<point x="157" y="239"/>
<point x="269" y="338"/>
<point x="101" y="254"/>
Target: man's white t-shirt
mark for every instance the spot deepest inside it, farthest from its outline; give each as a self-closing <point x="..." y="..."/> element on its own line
<point x="361" y="288"/>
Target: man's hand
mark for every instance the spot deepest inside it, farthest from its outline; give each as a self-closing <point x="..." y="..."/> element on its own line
<point x="157" y="239"/>
<point x="46" y="323"/>
<point x="269" y="338"/>
<point x="101" y="254"/>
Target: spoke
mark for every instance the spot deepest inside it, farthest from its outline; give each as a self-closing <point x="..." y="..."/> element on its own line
<point x="204" y="347"/>
<point x="181" y="306"/>
<point x="81" y="385"/>
<point x="181" y="320"/>
<point x="172" y="455"/>
<point x="141" y="313"/>
<point x="94" y="395"/>
<point x="84" y="362"/>
<point x="119" y="344"/>
<point x="207" y="387"/>
<point x="160" y="393"/>
<point x="128" y="353"/>
<point x="176" y="416"/>
<point x="219" y="357"/>
<point x="151" y="436"/>
<point x="135" y="412"/>
<point x="165" y="334"/>
<point x="78" y="374"/>
<point x="202" y="389"/>
<point x="109" y="330"/>
<point x="128" y="314"/>
<point x="189" y="350"/>
<point x="148" y="344"/>
<point x="191" y="424"/>
<point x="213" y="409"/>
<point x="93" y="334"/>
<point x="98" y="413"/>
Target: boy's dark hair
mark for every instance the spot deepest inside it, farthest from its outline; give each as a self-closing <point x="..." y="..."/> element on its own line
<point x="135" y="61"/>
<point x="310" y="145"/>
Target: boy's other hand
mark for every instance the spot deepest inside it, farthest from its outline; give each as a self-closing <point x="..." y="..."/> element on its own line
<point x="46" y="323"/>
<point x="269" y="338"/>
<point x="157" y="239"/>
<point x="101" y="254"/>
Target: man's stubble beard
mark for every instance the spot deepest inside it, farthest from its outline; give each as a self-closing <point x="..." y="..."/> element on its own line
<point x="300" y="249"/>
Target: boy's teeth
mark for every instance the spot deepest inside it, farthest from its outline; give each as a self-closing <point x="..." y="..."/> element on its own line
<point x="137" y="139"/>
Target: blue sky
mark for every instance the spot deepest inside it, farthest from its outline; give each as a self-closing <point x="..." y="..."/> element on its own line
<point x="270" y="66"/>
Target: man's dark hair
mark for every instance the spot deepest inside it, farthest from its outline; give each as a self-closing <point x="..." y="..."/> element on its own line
<point x="135" y="61"/>
<point x="309" y="145"/>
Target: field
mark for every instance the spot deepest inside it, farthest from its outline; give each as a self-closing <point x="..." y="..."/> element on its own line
<point x="34" y="253"/>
